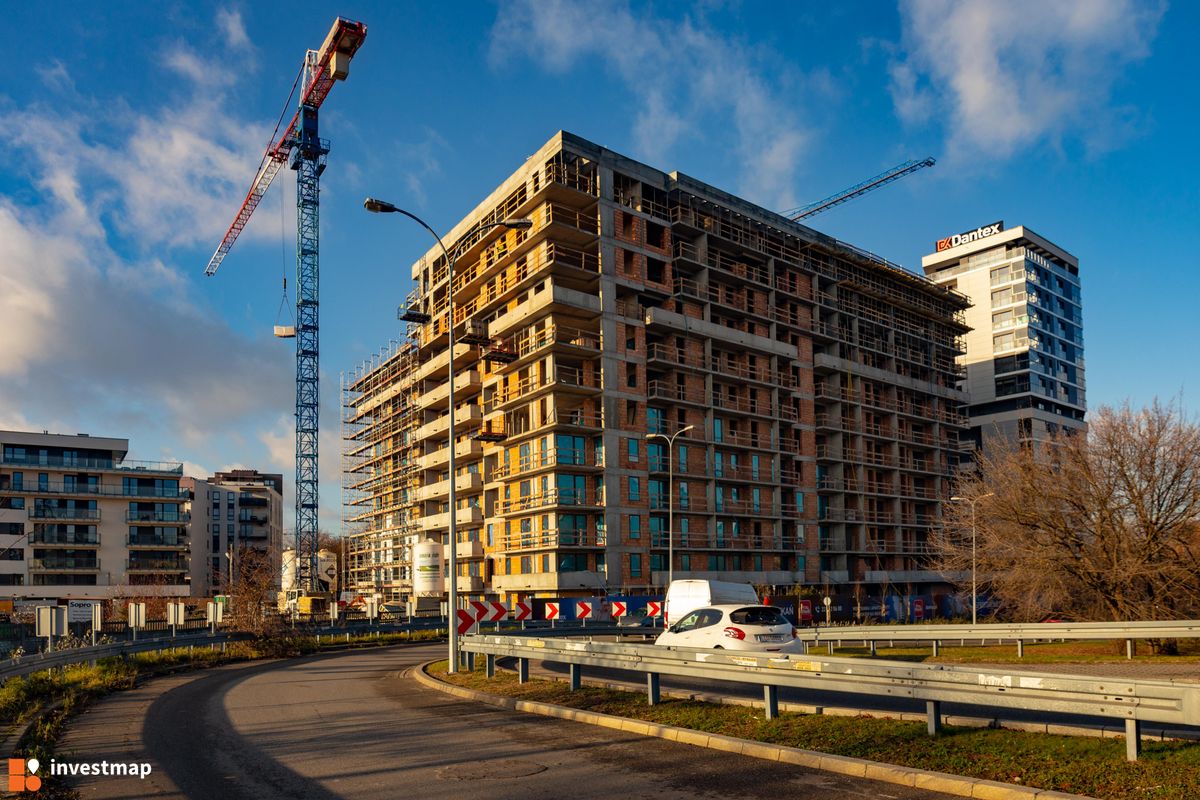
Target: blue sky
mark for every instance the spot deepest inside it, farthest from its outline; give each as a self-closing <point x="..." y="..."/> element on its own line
<point x="130" y="132"/>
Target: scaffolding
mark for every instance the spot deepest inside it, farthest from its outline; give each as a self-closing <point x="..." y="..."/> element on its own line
<point x="378" y="470"/>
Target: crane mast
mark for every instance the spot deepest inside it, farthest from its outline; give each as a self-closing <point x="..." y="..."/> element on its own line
<point x="302" y="148"/>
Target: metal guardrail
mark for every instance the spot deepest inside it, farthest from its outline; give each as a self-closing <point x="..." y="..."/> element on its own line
<point x="1133" y="701"/>
<point x="1019" y="633"/>
<point x="36" y="662"/>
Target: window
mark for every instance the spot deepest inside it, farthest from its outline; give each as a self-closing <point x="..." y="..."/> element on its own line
<point x="546" y="563"/>
<point x="572" y="489"/>
<point x="630" y="412"/>
<point x="718" y="430"/>
<point x="683" y="532"/>
<point x="635" y="489"/>
<point x="754" y="467"/>
<point x="720" y="500"/>
<point x="683" y="495"/>
<point x="635" y="565"/>
<point x="635" y="526"/>
<point x="685" y="562"/>
<point x="755" y="503"/>
<point x="43" y="481"/>
<point x="654" y="420"/>
<point x="631" y="375"/>
<point x="632" y="448"/>
<point x="681" y="464"/>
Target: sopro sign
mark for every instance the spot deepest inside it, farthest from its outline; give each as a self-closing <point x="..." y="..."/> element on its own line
<point x="966" y="237"/>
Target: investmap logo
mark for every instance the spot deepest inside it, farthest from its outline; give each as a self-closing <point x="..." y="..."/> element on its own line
<point x="23" y="777"/>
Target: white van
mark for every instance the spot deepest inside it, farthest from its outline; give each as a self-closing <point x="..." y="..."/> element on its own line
<point x="683" y="597"/>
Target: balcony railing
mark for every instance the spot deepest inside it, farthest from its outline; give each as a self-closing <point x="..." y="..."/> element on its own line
<point x="83" y="539"/>
<point x="30" y="460"/>
<point x="554" y="497"/>
<point x="552" y="538"/>
<point x="158" y="541"/>
<point x="53" y="512"/>
<point x="156" y="565"/>
<point x="100" y="490"/>
<point x="158" y="516"/>
<point x="64" y="564"/>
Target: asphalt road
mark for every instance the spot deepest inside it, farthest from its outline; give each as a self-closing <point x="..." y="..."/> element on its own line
<point x="353" y="725"/>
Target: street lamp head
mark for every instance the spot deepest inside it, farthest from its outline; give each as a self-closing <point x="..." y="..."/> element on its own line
<point x="684" y="430"/>
<point x="957" y="498"/>
<point x="376" y="206"/>
<point x="518" y="223"/>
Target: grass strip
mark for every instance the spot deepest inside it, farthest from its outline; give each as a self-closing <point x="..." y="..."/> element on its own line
<point x="1079" y="765"/>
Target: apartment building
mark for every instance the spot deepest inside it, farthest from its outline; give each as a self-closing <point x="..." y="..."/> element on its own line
<point x="811" y="387"/>
<point x="1024" y="355"/>
<point x="232" y="512"/>
<point x="78" y="519"/>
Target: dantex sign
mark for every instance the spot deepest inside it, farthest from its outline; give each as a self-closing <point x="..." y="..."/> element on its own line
<point x="965" y="237"/>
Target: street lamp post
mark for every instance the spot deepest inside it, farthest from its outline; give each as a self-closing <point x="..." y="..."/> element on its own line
<point x="670" y="440"/>
<point x="383" y="207"/>
<point x="974" y="583"/>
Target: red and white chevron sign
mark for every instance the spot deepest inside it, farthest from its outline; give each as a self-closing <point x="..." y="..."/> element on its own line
<point x="654" y="608"/>
<point x="465" y="621"/>
<point x="619" y="609"/>
<point x="522" y="611"/>
<point x="497" y="612"/>
<point x="551" y="610"/>
<point x="480" y="610"/>
<point x="583" y="609"/>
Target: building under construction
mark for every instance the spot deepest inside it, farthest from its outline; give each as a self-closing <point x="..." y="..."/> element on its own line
<point x="818" y="380"/>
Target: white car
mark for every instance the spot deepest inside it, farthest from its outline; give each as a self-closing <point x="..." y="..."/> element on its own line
<point x="734" y="627"/>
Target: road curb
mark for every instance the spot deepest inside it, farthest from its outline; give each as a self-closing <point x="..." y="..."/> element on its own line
<point x="857" y="767"/>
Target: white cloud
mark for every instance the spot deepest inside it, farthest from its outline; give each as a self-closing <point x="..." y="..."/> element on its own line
<point x="681" y="73"/>
<point x="100" y="331"/>
<point x="1002" y="77"/>
<point x="231" y="25"/>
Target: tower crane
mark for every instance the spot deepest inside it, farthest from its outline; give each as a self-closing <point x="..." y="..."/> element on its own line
<point x="300" y="147"/>
<point x="870" y="184"/>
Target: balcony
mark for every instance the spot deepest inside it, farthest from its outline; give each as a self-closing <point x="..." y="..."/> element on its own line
<point x="64" y="539"/>
<point x="91" y="490"/>
<point x="53" y="512"/>
<point x="64" y="564"/>
<point x="471" y="515"/>
<point x="107" y="464"/>
<point x="551" y="539"/>
<point x="156" y="565"/>
<point x="470" y="448"/>
<point x="558" y="456"/>
<point x="550" y="499"/>
<point x="467" y="482"/>
<point x="468" y="549"/>
<point x="439" y="396"/>
<point x="179" y="542"/>
<point x="465" y="416"/>
<point x="467" y="584"/>
<point x="158" y="517"/>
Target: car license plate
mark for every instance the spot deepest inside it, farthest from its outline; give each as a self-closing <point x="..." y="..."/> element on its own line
<point x="770" y="637"/>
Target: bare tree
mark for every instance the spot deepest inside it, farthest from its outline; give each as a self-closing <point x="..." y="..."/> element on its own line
<point x="254" y="592"/>
<point x="1099" y="527"/>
